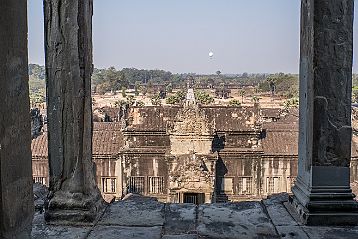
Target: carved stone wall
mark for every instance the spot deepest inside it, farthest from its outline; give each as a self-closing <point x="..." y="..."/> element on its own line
<point x="190" y="131"/>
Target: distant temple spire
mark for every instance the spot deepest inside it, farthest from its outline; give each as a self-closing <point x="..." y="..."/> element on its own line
<point x="190" y="96"/>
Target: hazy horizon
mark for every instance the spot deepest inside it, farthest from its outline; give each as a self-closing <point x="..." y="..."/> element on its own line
<point x="257" y="36"/>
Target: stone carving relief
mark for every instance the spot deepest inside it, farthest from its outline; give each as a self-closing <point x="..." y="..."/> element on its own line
<point x="191" y="173"/>
<point x="331" y="142"/>
<point x="190" y="121"/>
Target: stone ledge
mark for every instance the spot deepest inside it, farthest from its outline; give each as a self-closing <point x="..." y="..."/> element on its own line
<point x="269" y="219"/>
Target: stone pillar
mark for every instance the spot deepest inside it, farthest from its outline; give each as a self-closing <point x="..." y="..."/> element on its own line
<point x="16" y="196"/>
<point x="74" y="195"/>
<point x="322" y="193"/>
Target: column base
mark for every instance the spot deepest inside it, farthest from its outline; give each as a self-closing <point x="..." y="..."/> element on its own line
<point x="322" y="218"/>
<point x="74" y="209"/>
<point x="329" y="201"/>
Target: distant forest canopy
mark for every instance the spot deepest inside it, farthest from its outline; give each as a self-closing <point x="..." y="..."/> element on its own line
<point x="112" y="80"/>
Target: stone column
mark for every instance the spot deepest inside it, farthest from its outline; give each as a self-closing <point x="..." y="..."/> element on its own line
<point x="16" y="196"/>
<point x="74" y="195"/>
<point x="322" y="193"/>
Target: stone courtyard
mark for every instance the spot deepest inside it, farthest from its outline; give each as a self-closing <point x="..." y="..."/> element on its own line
<point x="141" y="217"/>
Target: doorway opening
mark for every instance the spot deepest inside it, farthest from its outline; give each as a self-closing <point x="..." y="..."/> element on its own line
<point x="196" y="198"/>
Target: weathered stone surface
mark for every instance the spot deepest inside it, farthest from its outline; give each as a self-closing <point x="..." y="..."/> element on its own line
<point x="180" y="219"/>
<point x="325" y="81"/>
<point x="331" y="232"/>
<point x="40" y="230"/>
<point x="16" y="197"/>
<point x="235" y="220"/>
<point x="135" y="211"/>
<point x="36" y="122"/>
<point x="277" y="211"/>
<point x="68" y="31"/>
<point x="215" y="221"/>
<point x="292" y="232"/>
<point x="59" y="232"/>
<point x="40" y="196"/>
<point x="115" y="232"/>
<point x="322" y="189"/>
<point x="184" y="236"/>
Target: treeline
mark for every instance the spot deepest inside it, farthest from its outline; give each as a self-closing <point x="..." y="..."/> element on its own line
<point x="111" y="79"/>
<point x="37" y="84"/>
<point x="282" y="84"/>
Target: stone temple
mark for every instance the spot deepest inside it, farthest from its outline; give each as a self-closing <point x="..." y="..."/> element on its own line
<point x="193" y="153"/>
<point x="321" y="205"/>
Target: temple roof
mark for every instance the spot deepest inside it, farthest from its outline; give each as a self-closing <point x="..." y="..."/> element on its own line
<point x="107" y="140"/>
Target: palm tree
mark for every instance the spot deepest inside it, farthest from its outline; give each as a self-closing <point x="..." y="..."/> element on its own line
<point x="255" y="99"/>
<point x="242" y="94"/>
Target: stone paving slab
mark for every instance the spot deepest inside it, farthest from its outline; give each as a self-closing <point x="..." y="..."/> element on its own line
<point x="180" y="219"/>
<point x="292" y="232"/>
<point x="59" y="232"/>
<point x="40" y="230"/>
<point x="116" y="232"/>
<point x="133" y="213"/>
<point x="234" y="220"/>
<point x="143" y="218"/>
<point x="331" y="232"/>
<point x="278" y="212"/>
<point x="184" y="236"/>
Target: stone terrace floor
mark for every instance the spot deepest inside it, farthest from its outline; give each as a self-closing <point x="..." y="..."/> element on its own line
<point x="145" y="218"/>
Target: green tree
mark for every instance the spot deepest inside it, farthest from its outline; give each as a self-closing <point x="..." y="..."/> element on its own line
<point x="124" y="94"/>
<point x="140" y="103"/>
<point x="242" y="94"/>
<point x="255" y="99"/>
<point x="130" y="100"/>
<point x="172" y="100"/>
<point x="136" y="88"/>
<point x="235" y="103"/>
<point x="120" y="103"/>
<point x="203" y="97"/>
<point x="156" y="100"/>
<point x="169" y="88"/>
<point x="291" y="103"/>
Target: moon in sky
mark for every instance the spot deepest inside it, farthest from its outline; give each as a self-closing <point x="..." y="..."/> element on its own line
<point x="211" y="54"/>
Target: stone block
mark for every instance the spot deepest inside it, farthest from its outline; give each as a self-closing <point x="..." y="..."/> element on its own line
<point x="134" y="213"/>
<point x="180" y="218"/>
<point x="115" y="232"/>
<point x="59" y="232"/>
<point x="183" y="236"/>
<point x="278" y="212"/>
<point x="234" y="220"/>
<point x="331" y="232"/>
<point x="291" y="232"/>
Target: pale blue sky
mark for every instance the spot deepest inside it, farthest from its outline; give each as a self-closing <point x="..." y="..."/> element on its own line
<point x="177" y="35"/>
